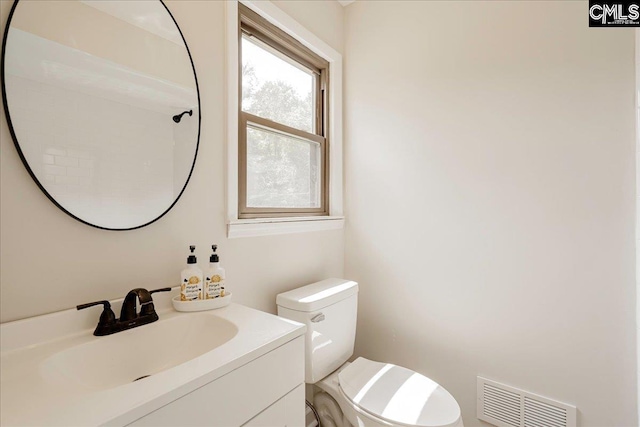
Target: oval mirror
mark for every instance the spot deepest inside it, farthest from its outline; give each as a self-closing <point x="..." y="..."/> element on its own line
<point x="102" y="102"/>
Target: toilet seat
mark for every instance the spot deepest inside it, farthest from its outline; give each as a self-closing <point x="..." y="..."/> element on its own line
<point x="398" y="395"/>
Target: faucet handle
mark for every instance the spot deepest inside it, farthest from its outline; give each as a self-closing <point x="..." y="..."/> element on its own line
<point x="107" y="318"/>
<point x="107" y="305"/>
<point x="148" y="308"/>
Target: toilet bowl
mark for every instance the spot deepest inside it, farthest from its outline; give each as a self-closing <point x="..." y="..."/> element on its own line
<point x="363" y="393"/>
<point x="374" y="394"/>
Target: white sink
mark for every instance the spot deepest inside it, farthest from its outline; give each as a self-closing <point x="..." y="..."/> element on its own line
<point x="137" y="353"/>
<point x="53" y="371"/>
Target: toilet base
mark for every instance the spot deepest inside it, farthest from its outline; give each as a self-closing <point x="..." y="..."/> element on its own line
<point x="329" y="412"/>
<point x="326" y="401"/>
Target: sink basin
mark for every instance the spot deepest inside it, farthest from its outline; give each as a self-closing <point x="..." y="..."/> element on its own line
<point x="115" y="360"/>
<point x="77" y="379"/>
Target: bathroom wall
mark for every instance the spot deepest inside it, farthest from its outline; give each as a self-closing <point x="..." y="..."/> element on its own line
<point x="51" y="262"/>
<point x="637" y="35"/>
<point x="490" y="211"/>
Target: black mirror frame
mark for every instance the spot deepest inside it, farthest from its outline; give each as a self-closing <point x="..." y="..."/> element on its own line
<point x="24" y="160"/>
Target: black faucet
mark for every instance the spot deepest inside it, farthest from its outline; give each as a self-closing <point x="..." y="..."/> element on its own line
<point x="129" y="318"/>
<point x="128" y="312"/>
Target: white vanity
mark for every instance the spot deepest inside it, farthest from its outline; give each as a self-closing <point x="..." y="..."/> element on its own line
<point x="228" y="367"/>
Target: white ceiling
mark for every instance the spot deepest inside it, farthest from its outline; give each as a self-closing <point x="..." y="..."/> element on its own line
<point x="346" y="2"/>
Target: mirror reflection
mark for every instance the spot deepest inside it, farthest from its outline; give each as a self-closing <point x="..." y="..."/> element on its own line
<point x="110" y="134"/>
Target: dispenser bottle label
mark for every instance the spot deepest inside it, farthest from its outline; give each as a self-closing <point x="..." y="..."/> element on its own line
<point x="213" y="286"/>
<point x="191" y="289"/>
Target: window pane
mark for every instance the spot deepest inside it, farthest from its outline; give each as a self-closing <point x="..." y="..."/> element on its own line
<point x="282" y="171"/>
<point x="276" y="89"/>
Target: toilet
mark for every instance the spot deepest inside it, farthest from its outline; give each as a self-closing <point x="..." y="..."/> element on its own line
<point x="363" y="393"/>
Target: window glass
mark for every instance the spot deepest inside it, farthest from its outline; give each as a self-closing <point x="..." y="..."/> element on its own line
<point x="276" y="88"/>
<point x="282" y="170"/>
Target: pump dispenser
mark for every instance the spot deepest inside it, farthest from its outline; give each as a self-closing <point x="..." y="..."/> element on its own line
<point x="214" y="277"/>
<point x="191" y="279"/>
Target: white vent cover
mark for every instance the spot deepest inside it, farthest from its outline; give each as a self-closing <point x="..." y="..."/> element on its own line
<point x="505" y="406"/>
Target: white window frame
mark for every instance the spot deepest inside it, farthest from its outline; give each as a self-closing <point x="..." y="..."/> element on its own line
<point x="269" y="226"/>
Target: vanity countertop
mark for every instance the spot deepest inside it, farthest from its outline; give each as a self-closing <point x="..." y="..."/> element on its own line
<point x="36" y="390"/>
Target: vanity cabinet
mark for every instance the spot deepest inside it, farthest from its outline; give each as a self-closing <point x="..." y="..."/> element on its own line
<point x="267" y="391"/>
<point x="288" y="411"/>
<point x="244" y="367"/>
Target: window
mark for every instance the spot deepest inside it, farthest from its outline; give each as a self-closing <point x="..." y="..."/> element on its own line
<point x="283" y="146"/>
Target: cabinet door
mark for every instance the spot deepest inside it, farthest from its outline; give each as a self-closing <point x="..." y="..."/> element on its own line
<point x="238" y="396"/>
<point x="286" y="412"/>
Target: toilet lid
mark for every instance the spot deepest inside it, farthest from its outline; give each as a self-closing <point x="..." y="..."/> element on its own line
<point x="398" y="395"/>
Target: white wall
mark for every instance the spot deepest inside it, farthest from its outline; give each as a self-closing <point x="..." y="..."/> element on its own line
<point x="51" y="262"/>
<point x="324" y="18"/>
<point x="490" y="198"/>
<point x="637" y="35"/>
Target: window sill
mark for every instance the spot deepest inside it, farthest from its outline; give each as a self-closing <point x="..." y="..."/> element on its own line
<point x="273" y="226"/>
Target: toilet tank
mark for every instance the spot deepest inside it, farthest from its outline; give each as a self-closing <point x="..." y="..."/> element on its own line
<point x="329" y="309"/>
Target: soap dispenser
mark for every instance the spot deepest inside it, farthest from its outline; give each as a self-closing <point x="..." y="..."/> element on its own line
<point x="191" y="279"/>
<point x="214" y="277"/>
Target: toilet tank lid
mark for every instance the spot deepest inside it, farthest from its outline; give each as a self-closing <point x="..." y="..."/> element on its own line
<point x="317" y="295"/>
